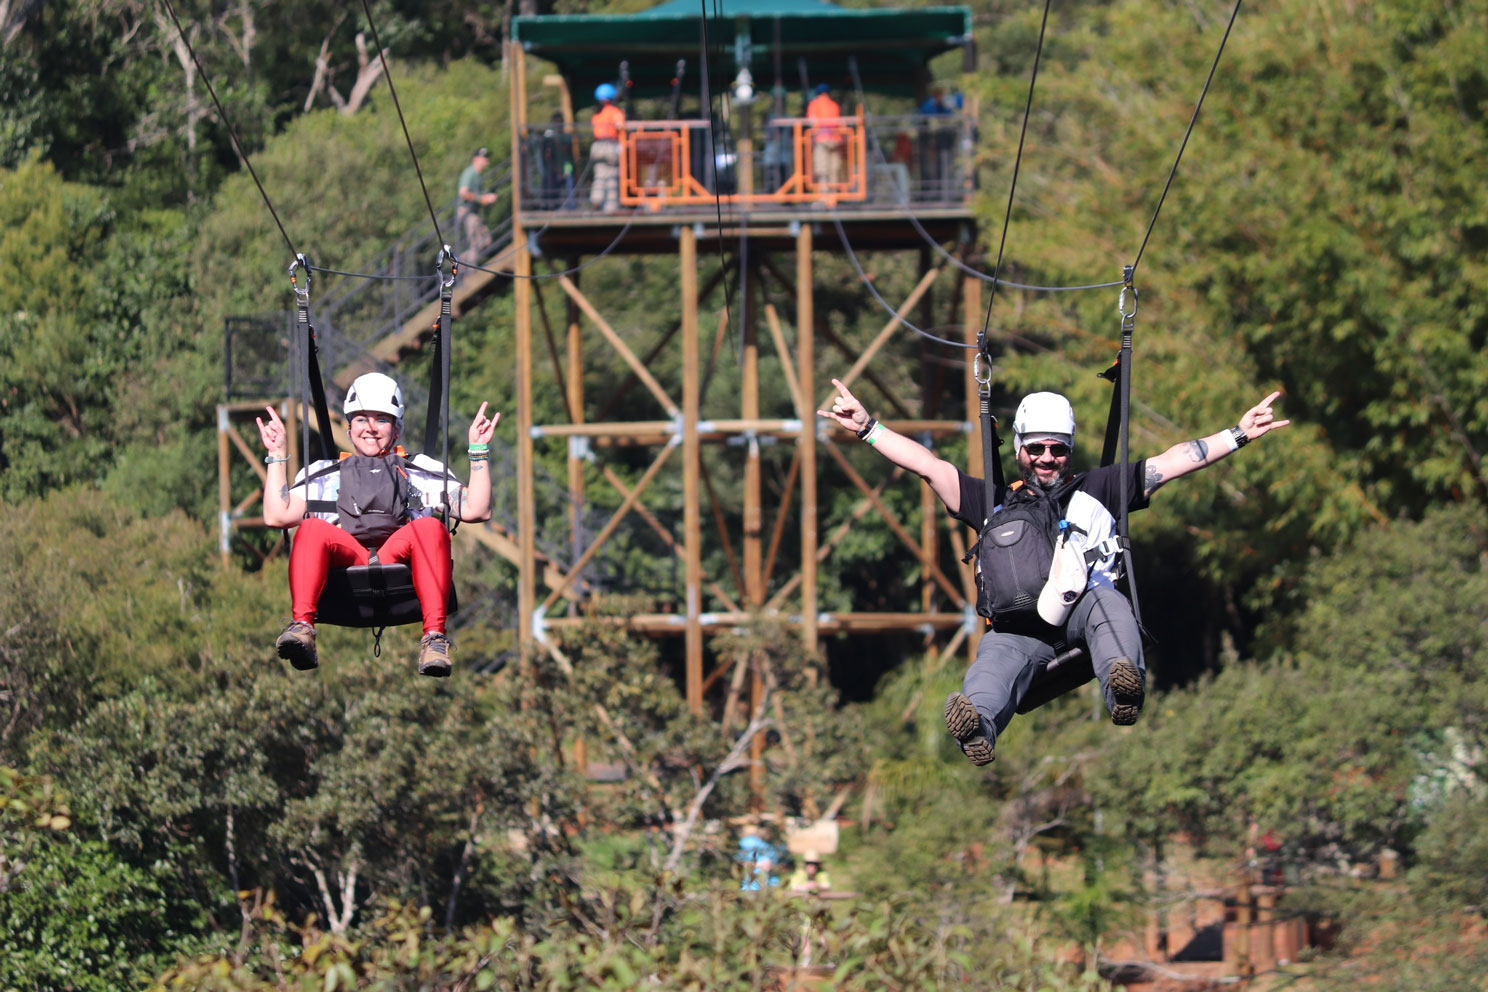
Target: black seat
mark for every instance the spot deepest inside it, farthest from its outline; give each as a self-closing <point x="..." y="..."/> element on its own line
<point x="372" y="596"/>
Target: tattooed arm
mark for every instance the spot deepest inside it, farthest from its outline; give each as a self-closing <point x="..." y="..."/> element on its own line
<point x="280" y="509"/>
<point x="1190" y="456"/>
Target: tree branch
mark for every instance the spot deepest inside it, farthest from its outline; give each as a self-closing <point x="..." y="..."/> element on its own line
<point x="733" y="760"/>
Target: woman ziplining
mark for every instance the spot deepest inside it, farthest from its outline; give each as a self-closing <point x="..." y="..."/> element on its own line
<point x="375" y="506"/>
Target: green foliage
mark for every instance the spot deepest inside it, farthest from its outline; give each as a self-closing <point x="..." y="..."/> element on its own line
<point x="1323" y="746"/>
<point x="81" y="918"/>
<point x="670" y="937"/>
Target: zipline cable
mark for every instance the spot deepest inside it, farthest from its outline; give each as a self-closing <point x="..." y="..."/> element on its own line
<point x="863" y="278"/>
<point x="381" y="55"/>
<point x="1013" y="186"/>
<point x="707" y="98"/>
<point x="227" y="123"/>
<point x="1191" y="122"/>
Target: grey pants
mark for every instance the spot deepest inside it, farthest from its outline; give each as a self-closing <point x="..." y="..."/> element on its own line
<point x="1006" y="664"/>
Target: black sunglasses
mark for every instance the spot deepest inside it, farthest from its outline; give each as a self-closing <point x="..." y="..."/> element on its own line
<point x="1035" y="449"/>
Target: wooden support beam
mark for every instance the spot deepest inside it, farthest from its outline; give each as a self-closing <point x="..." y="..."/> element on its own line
<point x="806" y="358"/>
<point x="922" y="287"/>
<point x="542" y="313"/>
<point x="893" y="522"/>
<point x="522" y="320"/>
<point x="255" y="461"/>
<point x="630" y="380"/>
<point x="782" y="508"/>
<point x="787" y="364"/>
<point x="574" y="401"/>
<point x="621" y="348"/>
<point x="691" y="466"/>
<point x="224" y="487"/>
<point x="862" y="507"/>
<point x="608" y="528"/>
<point x="718" y="522"/>
<point x="824" y="328"/>
<point x="831" y="623"/>
<point x="835" y="340"/>
<point x="666" y="537"/>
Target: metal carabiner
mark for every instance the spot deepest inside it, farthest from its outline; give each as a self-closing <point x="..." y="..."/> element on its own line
<point x="1126" y="284"/>
<point x="447" y="282"/>
<point x="302" y="296"/>
<point x="977" y="371"/>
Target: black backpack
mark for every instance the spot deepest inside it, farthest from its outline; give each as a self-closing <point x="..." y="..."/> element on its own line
<point x="374" y="498"/>
<point x="1015" y="552"/>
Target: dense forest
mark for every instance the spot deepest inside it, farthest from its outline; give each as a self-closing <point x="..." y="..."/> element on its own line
<point x="178" y="809"/>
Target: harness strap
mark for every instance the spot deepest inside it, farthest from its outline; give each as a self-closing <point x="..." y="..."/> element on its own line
<point x="1107" y="548"/>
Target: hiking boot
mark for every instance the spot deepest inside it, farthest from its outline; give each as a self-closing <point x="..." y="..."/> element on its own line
<point x="434" y="655"/>
<point x="1127" y="693"/>
<point x="296" y="644"/>
<point x="962" y="720"/>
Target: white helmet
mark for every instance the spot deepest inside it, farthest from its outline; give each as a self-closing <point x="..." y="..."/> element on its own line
<point x="1044" y="415"/>
<point x="374" y="393"/>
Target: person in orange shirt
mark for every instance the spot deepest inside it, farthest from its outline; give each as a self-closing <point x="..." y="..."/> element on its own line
<point x="828" y="158"/>
<point x="604" y="154"/>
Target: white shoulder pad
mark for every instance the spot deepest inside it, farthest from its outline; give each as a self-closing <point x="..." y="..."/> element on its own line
<point x="432" y="466"/>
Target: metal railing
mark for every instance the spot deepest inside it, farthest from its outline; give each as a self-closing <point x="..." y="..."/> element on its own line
<point x="860" y="162"/>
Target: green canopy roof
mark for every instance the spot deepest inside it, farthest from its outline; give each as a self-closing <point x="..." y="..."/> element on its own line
<point x="891" y="46"/>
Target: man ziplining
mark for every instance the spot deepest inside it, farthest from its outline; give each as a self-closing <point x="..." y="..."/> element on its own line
<point x="376" y="504"/>
<point x="1049" y="518"/>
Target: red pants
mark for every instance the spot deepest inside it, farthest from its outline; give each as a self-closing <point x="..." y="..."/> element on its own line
<point x="423" y="544"/>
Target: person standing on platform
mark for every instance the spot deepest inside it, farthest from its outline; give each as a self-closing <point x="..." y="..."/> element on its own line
<point x="828" y="145"/>
<point x="604" y="154"/>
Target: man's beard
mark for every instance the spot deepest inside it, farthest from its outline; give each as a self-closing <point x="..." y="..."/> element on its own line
<point x="1030" y="477"/>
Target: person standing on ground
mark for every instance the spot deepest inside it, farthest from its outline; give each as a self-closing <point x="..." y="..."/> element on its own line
<point x="810" y="877"/>
<point x="604" y="154"/>
<point x="1098" y="618"/>
<point x="472" y="196"/>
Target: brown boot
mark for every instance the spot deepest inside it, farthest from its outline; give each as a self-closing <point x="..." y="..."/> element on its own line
<point x="1128" y="690"/>
<point x="962" y="720"/>
<point x="297" y="644"/>
<point x="434" y="655"/>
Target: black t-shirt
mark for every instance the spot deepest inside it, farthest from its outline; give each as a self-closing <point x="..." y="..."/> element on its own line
<point x="1101" y="484"/>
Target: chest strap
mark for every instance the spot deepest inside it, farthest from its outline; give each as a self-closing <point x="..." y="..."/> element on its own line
<point x="1107" y="548"/>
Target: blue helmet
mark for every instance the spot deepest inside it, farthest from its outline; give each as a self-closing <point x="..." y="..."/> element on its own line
<point x="605" y="91"/>
<point x="822" y="88"/>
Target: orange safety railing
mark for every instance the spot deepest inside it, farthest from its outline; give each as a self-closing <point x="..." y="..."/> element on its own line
<point x="827" y="164"/>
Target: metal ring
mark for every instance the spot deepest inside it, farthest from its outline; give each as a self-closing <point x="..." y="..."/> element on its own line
<point x="976" y="370"/>
<point x="446" y="282"/>
<point x="1121" y="303"/>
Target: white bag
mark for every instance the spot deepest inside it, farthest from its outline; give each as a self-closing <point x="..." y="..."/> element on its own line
<point x="1067" y="578"/>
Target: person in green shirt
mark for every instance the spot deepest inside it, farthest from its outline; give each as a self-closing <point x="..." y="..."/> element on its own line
<point x="472" y="197"/>
<point x="810" y="877"/>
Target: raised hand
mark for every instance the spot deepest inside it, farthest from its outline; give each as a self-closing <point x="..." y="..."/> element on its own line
<point x="273" y="435"/>
<point x="847" y="410"/>
<point x="1260" y="419"/>
<point x="483" y="428"/>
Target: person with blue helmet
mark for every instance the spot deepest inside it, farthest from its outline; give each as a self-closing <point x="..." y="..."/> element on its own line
<point x="604" y="154"/>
